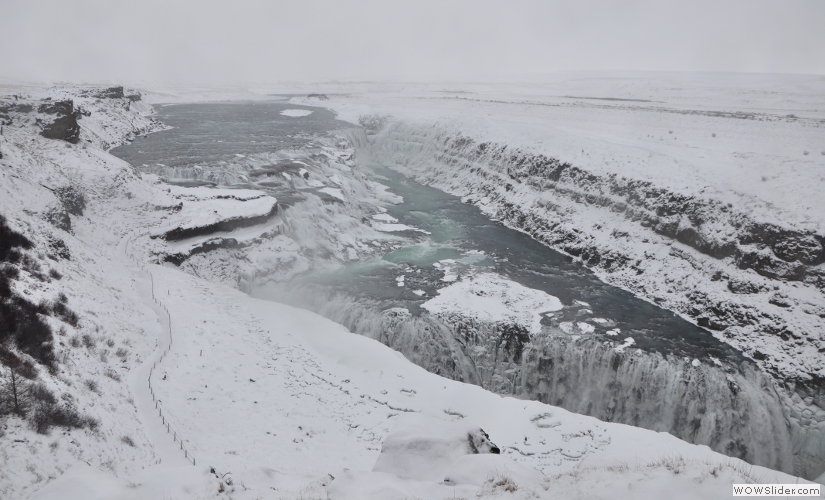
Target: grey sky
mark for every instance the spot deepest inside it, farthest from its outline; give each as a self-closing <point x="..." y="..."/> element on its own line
<point x="256" y="41"/>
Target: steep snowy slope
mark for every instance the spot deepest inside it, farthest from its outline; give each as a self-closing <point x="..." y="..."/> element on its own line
<point x="73" y="203"/>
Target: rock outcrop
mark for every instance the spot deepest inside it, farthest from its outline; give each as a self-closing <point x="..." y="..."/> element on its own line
<point x="64" y="124"/>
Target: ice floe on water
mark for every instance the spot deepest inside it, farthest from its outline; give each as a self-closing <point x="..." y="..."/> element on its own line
<point x="386" y="223"/>
<point x="296" y="113"/>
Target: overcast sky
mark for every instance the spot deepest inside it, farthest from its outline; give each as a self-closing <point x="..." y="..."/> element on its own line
<point x="256" y="41"/>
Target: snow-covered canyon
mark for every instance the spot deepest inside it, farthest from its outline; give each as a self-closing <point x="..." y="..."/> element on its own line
<point x="654" y="250"/>
<point x="669" y="190"/>
<point x="279" y="402"/>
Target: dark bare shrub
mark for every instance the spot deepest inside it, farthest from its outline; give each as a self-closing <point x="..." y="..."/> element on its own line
<point x="62" y="311"/>
<point x="40" y="394"/>
<point x="27" y="369"/>
<point x="88" y="341"/>
<point x="58" y="249"/>
<point x="92" y="385"/>
<point x="72" y="199"/>
<point x="64" y="414"/>
<point x="112" y="374"/>
<point x="11" y="242"/>
<point x="20" y="322"/>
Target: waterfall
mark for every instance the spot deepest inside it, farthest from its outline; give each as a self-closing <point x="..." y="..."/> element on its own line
<point x="733" y="409"/>
<point x="768" y="412"/>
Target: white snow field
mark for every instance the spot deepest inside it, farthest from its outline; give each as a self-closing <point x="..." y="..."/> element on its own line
<point x="259" y="399"/>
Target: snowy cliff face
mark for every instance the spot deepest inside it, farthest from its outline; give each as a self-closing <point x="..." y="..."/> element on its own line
<point x="756" y="283"/>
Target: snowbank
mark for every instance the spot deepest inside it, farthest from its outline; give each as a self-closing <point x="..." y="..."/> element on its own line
<point x="487" y="297"/>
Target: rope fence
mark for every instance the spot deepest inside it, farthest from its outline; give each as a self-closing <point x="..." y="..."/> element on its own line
<point x="158" y="406"/>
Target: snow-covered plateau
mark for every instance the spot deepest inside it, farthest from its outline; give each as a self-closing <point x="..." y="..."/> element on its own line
<point x="133" y="366"/>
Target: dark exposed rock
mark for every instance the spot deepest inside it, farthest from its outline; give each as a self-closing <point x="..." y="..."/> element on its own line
<point x="740" y="286"/>
<point x="478" y="441"/>
<point x="50" y="107"/>
<point x="64" y="126"/>
<point x="769" y="266"/>
<point x="689" y="236"/>
<point x="710" y="323"/>
<point x="759" y="356"/>
<point x="802" y="248"/>
<point x="58" y="249"/>
<point x="512" y="339"/>
<point x="15" y="107"/>
<point x="790" y="246"/>
<point x="224" y="225"/>
<point x="111" y="93"/>
<point x="115" y="92"/>
<point x="816" y="277"/>
<point x="218" y="243"/>
<point x="780" y="300"/>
